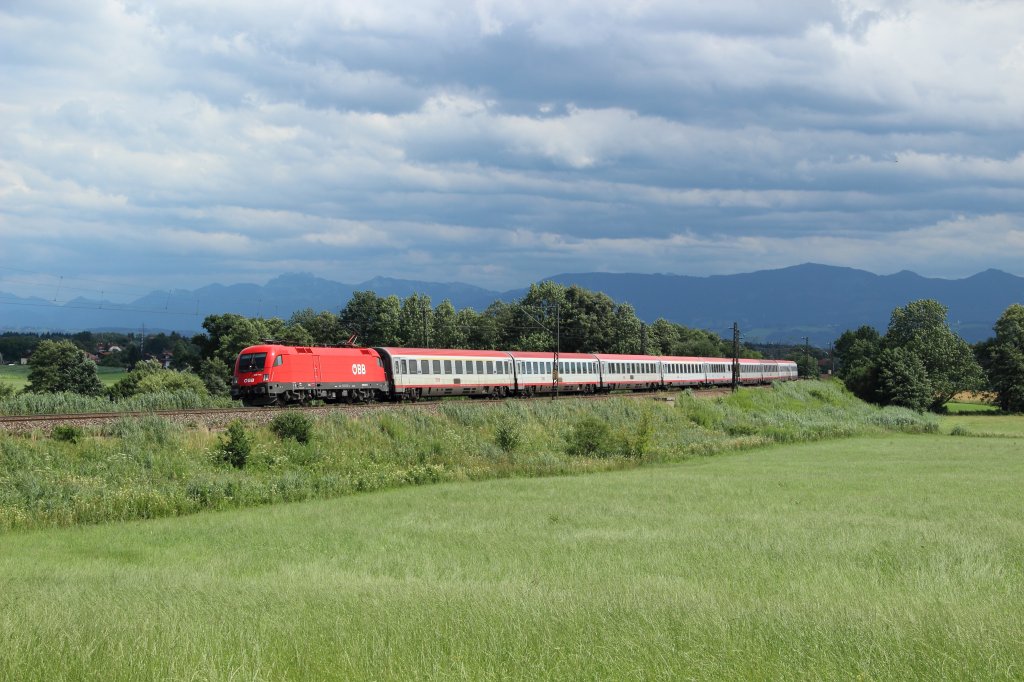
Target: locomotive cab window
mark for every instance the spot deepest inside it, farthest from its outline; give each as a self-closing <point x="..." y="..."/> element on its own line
<point x="278" y="361"/>
<point x="252" y="362"/>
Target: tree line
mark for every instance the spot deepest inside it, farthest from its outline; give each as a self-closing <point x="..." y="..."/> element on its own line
<point x="921" y="363"/>
<point x="549" y="314"/>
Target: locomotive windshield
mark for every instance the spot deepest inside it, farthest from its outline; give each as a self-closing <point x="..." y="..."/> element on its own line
<point x="252" y="362"/>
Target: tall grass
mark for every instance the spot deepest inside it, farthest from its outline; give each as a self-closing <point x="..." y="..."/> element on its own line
<point x="69" y="403"/>
<point x="144" y="468"/>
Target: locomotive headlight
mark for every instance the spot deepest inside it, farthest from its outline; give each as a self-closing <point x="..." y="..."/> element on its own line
<point x="266" y="377"/>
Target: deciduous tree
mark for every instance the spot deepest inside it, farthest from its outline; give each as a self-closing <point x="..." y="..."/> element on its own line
<point x="1007" y="359"/>
<point x="61" y="366"/>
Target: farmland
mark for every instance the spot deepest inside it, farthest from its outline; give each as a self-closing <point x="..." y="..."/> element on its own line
<point x="885" y="557"/>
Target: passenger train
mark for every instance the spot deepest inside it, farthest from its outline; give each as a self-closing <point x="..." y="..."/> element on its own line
<point x="274" y="374"/>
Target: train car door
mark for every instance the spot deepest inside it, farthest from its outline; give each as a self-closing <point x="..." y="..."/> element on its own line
<point x="316" y="370"/>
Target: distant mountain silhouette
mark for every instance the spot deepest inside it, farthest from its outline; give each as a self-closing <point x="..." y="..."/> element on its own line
<point x="816" y="301"/>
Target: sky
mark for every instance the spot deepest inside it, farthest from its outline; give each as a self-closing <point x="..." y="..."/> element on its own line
<point x="172" y="144"/>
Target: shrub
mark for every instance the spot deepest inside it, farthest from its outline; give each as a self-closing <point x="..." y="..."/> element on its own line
<point x="67" y="433"/>
<point x="508" y="435"/>
<point x="293" y="425"/>
<point x="590" y="437"/>
<point x="6" y="391"/>
<point x="236" y="445"/>
<point x="636" y="445"/>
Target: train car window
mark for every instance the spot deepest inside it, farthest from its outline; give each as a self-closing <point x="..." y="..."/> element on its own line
<point x="469" y="366"/>
<point x="490" y="367"/>
<point x="405" y="367"/>
<point x="479" y="366"/>
<point x="447" y="366"/>
<point x="424" y="367"/>
<point x="412" y="366"/>
<point x="458" y="366"/>
<point x="436" y="366"/>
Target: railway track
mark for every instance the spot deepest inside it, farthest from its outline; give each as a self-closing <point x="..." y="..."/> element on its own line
<point x="220" y="417"/>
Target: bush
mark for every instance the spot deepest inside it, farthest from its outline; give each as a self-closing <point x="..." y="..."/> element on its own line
<point x="236" y="445"/>
<point x="6" y="391"/>
<point x="67" y="433"/>
<point x="293" y="425"/>
<point x="507" y="435"/>
<point x="590" y="437"/>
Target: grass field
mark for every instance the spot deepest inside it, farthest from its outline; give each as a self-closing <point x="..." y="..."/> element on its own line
<point x="886" y="557"/>
<point x="954" y="407"/>
<point x="17" y="376"/>
<point x="146" y="468"/>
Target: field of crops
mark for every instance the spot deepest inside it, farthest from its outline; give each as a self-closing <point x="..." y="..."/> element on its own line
<point x="884" y="557"/>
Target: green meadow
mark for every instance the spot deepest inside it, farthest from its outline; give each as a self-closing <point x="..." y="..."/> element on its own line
<point x="16" y="376"/>
<point x="149" y="468"/>
<point x="890" y="556"/>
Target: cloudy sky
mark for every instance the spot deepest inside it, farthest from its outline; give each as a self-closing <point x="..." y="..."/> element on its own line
<point x="173" y="144"/>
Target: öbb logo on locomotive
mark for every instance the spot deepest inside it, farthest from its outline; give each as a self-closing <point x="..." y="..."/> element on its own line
<point x="274" y="374"/>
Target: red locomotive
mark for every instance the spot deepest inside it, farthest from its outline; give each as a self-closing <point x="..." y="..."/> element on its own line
<point x="272" y="374"/>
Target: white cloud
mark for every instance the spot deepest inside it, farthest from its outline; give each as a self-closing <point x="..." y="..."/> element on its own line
<point x="655" y="135"/>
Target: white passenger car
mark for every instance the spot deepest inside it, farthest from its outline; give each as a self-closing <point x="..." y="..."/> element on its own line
<point x="634" y="372"/>
<point x="428" y="372"/>
<point x="575" y="373"/>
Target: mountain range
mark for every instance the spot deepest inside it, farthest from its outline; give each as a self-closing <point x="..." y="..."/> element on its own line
<point x="785" y="305"/>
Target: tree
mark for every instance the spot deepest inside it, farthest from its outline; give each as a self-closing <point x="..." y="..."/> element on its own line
<point x="447" y="333"/>
<point x="857" y="352"/>
<point x="216" y="376"/>
<point x="322" y="327"/>
<point x="1007" y="359"/>
<point x="414" y="321"/>
<point x="228" y="334"/>
<point x="949" y="362"/>
<point x="903" y="380"/>
<point x="625" y="330"/>
<point x="61" y="366"/>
